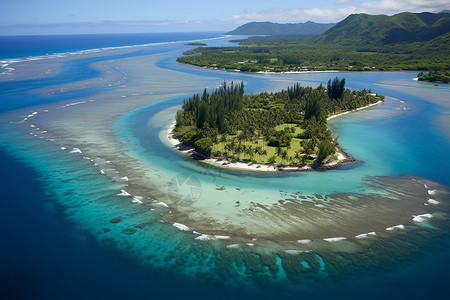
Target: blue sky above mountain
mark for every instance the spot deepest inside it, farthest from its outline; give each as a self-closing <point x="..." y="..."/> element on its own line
<point x="97" y="16"/>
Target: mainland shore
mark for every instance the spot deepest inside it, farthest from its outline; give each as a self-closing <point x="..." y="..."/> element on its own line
<point x="341" y="156"/>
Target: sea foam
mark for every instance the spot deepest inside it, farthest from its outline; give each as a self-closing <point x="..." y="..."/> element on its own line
<point x="72" y="104"/>
<point x="76" y="150"/>
<point x="365" y="235"/>
<point x="123" y="193"/>
<point x="181" y="226"/>
<point x="295" y="252"/>
<point x="395" y="227"/>
<point x="161" y="204"/>
<point x="431" y="192"/>
<point x="304" y="241"/>
<point x="137" y="199"/>
<point x="421" y="218"/>
<point x="207" y="237"/>
<point x="335" y="239"/>
<point x="432" y="201"/>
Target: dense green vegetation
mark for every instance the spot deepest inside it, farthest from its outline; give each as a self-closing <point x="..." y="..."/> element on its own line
<point x="286" y="127"/>
<point x="360" y="42"/>
<point x="435" y="76"/>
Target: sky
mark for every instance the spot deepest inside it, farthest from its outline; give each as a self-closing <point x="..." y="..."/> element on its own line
<point x="121" y="16"/>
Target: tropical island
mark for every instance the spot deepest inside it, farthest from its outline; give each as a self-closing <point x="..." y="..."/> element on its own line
<point x="286" y="129"/>
<point x="361" y="42"/>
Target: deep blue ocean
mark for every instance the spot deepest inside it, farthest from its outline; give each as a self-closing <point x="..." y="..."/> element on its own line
<point x="36" y="45"/>
<point x="43" y="256"/>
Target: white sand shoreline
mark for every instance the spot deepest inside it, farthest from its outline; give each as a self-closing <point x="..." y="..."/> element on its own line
<point x="187" y="150"/>
<point x="296" y="72"/>
<point x="354" y="110"/>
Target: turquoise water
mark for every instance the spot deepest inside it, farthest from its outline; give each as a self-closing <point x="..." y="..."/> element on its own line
<point x="99" y="153"/>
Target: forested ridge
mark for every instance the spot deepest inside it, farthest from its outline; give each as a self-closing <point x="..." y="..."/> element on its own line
<point x="287" y="127"/>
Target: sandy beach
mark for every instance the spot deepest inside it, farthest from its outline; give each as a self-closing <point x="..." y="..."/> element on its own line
<point x="354" y="110"/>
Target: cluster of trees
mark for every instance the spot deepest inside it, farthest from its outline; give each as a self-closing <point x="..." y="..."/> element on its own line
<point x="336" y="88"/>
<point x="291" y="122"/>
<point x="210" y="110"/>
<point x="435" y="76"/>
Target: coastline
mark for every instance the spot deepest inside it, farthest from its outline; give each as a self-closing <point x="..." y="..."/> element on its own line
<point x="264" y="72"/>
<point x="342" y="156"/>
<point x="353" y="110"/>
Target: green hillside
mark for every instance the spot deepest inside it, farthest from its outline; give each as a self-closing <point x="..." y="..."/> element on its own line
<point x="379" y="30"/>
<point x="275" y="29"/>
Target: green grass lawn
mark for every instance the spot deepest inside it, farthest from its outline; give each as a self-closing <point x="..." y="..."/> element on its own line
<point x="291" y="157"/>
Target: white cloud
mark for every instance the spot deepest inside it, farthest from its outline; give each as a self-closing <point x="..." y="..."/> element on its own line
<point x="389" y="6"/>
<point x="340" y="11"/>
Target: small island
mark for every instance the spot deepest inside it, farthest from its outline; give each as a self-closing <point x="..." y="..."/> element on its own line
<point x="196" y="44"/>
<point x="286" y="130"/>
<point x="442" y="76"/>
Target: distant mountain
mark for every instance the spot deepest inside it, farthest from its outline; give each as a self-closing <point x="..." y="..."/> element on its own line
<point x="377" y="30"/>
<point x="275" y="29"/>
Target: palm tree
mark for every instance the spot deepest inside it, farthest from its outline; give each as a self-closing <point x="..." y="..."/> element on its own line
<point x="279" y="150"/>
<point x="297" y="155"/>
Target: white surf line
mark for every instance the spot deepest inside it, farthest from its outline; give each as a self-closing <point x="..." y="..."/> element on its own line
<point x="123" y="193"/>
<point x="72" y="104"/>
<point x="304" y="241"/>
<point x="137" y="199"/>
<point x="335" y="239"/>
<point x="120" y="179"/>
<point x="181" y="227"/>
<point x="32" y="115"/>
<point x="7" y="62"/>
<point x="76" y="150"/>
<point x="7" y="69"/>
<point x="395" y="227"/>
<point x="160" y="203"/>
<point x="365" y="235"/>
<point x="295" y="252"/>
<point x="422" y="218"/>
<point x="207" y="237"/>
<point x="25" y="118"/>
